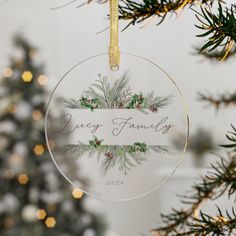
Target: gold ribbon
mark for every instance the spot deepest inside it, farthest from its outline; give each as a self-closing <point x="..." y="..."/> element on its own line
<point x="114" y="51"/>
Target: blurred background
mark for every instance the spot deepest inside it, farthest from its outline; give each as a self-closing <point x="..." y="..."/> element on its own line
<point x="38" y="45"/>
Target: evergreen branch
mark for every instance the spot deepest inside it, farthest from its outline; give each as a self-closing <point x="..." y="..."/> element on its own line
<point x="215" y="55"/>
<point x="104" y="87"/>
<point x="70" y="103"/>
<point x="219" y="225"/>
<point x="160" y="148"/>
<point x="155" y="103"/>
<point x="231" y="136"/>
<point x="220" y="100"/>
<point x="220" y="29"/>
<point x="208" y="225"/>
<point x="121" y="92"/>
<point x="213" y="185"/>
<point x="125" y="157"/>
<point x="138" y="11"/>
<point x="103" y="94"/>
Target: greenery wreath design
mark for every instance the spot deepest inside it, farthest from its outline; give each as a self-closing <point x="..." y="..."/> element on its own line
<point x="103" y="94"/>
<point x="125" y="157"/>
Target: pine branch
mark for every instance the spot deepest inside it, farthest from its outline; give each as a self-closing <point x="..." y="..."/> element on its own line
<point x="220" y="28"/>
<point x="125" y="157"/>
<point x="104" y="94"/>
<point x="220" y="100"/>
<point x="121" y="92"/>
<point x="212" y="186"/>
<point x="139" y="11"/>
<point x="231" y="136"/>
<point x="70" y="103"/>
<point x="208" y="225"/>
<point x="219" y="225"/>
<point x="215" y="55"/>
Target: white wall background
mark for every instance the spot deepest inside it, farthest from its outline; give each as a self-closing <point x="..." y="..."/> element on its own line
<point x="67" y="36"/>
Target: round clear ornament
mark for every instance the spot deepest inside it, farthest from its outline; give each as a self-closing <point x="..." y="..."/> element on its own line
<point x="116" y="126"/>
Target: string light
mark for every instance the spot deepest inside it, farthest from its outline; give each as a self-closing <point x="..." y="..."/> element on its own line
<point x="37" y="115"/>
<point x="77" y="193"/>
<point x="50" y="222"/>
<point x="7" y="72"/>
<point x="23" y="179"/>
<point x="41" y="214"/>
<point x="39" y="149"/>
<point x="27" y="76"/>
<point x="42" y="80"/>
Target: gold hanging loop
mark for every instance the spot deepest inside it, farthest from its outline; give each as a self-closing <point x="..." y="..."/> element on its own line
<point x="114" y="51"/>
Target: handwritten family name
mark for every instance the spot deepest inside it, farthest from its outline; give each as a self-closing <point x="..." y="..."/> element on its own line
<point x="119" y="125"/>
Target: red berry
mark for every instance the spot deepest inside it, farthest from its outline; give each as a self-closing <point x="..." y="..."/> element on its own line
<point x="109" y="154"/>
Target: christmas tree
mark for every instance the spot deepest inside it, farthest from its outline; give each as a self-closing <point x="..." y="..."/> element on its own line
<point x="34" y="198"/>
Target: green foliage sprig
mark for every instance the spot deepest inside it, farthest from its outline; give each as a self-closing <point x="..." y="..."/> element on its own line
<point x="220" y="29"/>
<point x="95" y="143"/>
<point x="222" y="224"/>
<point x="89" y="103"/>
<point x="105" y="93"/>
<point x="231" y="136"/>
<point x="137" y="102"/>
<point x="138" y="147"/>
<point x="139" y="11"/>
<point x="215" y="55"/>
<point x="124" y="157"/>
<point x="192" y="221"/>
